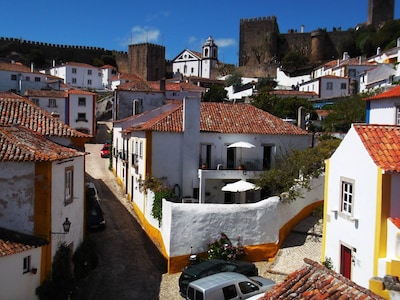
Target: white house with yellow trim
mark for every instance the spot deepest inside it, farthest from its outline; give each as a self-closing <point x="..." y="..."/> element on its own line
<point x="187" y="146"/>
<point x="362" y="192"/>
<point x="41" y="187"/>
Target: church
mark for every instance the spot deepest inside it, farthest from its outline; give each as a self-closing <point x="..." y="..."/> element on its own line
<point x="195" y="64"/>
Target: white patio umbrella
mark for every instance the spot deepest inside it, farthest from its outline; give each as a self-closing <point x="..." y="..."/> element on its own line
<point x="239" y="186"/>
<point x="241" y="145"/>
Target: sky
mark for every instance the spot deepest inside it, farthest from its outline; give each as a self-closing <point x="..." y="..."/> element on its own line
<point x="177" y="25"/>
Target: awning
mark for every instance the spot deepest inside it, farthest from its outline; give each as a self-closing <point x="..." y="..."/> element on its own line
<point x="239" y="186"/>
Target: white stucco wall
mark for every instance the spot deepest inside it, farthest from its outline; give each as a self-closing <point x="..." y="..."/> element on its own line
<point x="340" y="229"/>
<point x="73" y="211"/>
<point x="88" y="109"/>
<point x="15" y="284"/>
<point x="191" y="226"/>
<point x="17" y="187"/>
<point x="383" y="111"/>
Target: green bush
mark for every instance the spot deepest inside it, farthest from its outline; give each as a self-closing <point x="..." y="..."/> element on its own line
<point x="222" y="248"/>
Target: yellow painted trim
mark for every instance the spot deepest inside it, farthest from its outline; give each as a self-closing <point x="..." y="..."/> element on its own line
<point x="326" y="193"/>
<point x="378" y="215"/>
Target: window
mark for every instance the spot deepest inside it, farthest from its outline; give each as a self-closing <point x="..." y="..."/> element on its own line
<point x="206" y="52"/>
<point x="73" y="80"/>
<point x="141" y="149"/>
<point x="398" y="115"/>
<point x="52" y="103"/>
<point x="35" y="101"/>
<point x="89" y="82"/>
<point x="27" y="264"/>
<point x="229" y="291"/>
<point x="347" y="197"/>
<point x="329" y="85"/>
<point x="89" y="72"/>
<point x="73" y="70"/>
<point x="13" y="77"/>
<point x="247" y="287"/>
<point x="37" y="79"/>
<point x="27" y="78"/>
<point x="192" y="70"/>
<point x="81" y="117"/>
<point x="343" y="86"/>
<point x="82" y="101"/>
<point x="69" y="185"/>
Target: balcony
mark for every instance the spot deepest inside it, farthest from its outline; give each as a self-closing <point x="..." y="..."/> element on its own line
<point x="247" y="170"/>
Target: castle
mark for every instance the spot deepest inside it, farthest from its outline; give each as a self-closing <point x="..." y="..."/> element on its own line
<point x="261" y="47"/>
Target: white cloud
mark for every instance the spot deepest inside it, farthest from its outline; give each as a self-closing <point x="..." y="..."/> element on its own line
<point x="143" y="35"/>
<point x="225" y="42"/>
<point x="157" y="15"/>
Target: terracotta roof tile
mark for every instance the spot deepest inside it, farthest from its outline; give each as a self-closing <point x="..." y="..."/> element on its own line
<point x="314" y="281"/>
<point x="18" y="143"/>
<point x="395" y="221"/>
<point x="224" y="118"/>
<point x="392" y="93"/>
<point x="382" y="143"/>
<point x="12" y="242"/>
<point x="15" y="109"/>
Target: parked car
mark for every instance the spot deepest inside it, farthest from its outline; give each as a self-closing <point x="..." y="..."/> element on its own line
<point x="227" y="285"/>
<point x="105" y="151"/>
<point x="213" y="266"/>
<point x="94" y="212"/>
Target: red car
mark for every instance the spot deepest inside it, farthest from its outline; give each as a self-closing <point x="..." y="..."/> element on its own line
<point x="105" y="152"/>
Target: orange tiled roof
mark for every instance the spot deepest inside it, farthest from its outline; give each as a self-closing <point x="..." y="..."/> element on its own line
<point x="15" y="109"/>
<point x="314" y="281"/>
<point x="16" y="67"/>
<point x="392" y="93"/>
<point x="395" y="221"/>
<point x="293" y="92"/>
<point x="44" y="93"/>
<point x="18" y="143"/>
<point x="224" y="118"/>
<point x="12" y="242"/>
<point x="382" y="143"/>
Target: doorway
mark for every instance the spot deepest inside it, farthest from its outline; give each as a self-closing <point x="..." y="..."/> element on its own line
<point x="345" y="261"/>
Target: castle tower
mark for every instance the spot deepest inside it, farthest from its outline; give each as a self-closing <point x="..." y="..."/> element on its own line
<point x="257" y="40"/>
<point x="147" y="60"/>
<point x="380" y="11"/>
<point x="318" y="45"/>
<point x="209" y="57"/>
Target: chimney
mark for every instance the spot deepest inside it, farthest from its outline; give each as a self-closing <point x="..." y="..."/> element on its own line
<point x="302" y="28"/>
<point x="32" y="67"/>
<point x="346" y="55"/>
<point x="378" y="50"/>
<point x="162" y="84"/>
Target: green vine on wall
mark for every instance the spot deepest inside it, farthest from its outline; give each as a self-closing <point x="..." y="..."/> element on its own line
<point x="160" y="191"/>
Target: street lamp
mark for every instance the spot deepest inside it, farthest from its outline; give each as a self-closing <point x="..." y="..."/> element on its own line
<point x="66" y="227"/>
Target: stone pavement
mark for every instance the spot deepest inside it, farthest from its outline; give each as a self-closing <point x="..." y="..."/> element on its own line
<point x="303" y="241"/>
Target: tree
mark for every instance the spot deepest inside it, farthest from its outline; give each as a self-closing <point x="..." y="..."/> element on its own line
<point x="343" y="113"/>
<point x="216" y="93"/>
<point x="296" y="169"/>
<point x="282" y="107"/>
<point x="294" y="60"/>
<point x="234" y="80"/>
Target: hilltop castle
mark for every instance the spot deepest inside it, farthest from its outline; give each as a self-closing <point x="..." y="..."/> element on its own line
<point x="261" y="46"/>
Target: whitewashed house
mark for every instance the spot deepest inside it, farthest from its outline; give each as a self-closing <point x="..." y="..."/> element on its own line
<point x="20" y="261"/>
<point x="108" y="72"/>
<point x="79" y="75"/>
<point x="378" y="77"/>
<point x="75" y="108"/>
<point x="192" y="63"/>
<point x="42" y="187"/>
<point x="362" y="211"/>
<point x="17" y="78"/>
<point x="327" y="86"/>
<point x="135" y="97"/>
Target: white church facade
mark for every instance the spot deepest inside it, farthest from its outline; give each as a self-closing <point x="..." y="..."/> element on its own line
<point x="193" y="63"/>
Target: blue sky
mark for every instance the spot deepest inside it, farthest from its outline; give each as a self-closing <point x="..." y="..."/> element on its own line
<point x="177" y="25"/>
